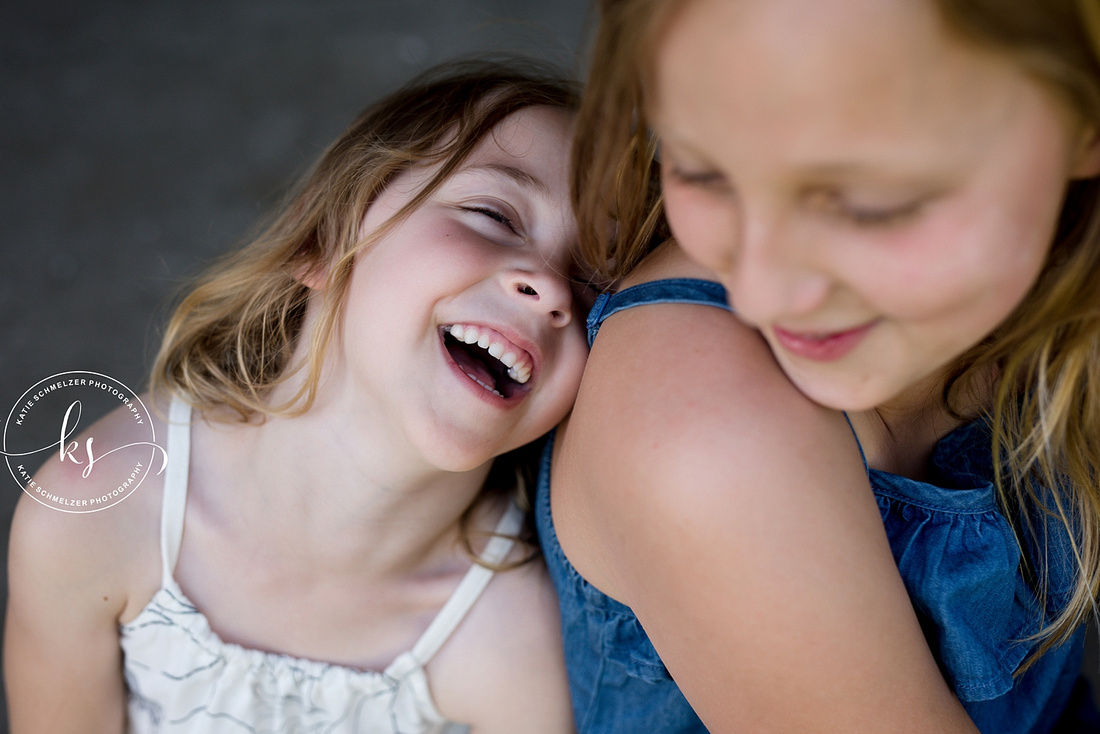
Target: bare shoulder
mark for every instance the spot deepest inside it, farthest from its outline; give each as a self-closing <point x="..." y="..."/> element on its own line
<point x="504" y="670"/>
<point x="73" y="576"/>
<point x="688" y="372"/>
<point x="678" y="400"/>
<point x="73" y="521"/>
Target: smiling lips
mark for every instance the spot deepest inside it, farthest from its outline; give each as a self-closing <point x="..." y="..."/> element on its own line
<point x="821" y="347"/>
<point x="488" y="358"/>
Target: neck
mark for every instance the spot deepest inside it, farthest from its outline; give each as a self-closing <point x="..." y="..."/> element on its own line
<point x="336" y="481"/>
<point x="899" y="436"/>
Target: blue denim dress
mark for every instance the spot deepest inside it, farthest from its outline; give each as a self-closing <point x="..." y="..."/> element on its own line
<point x="956" y="552"/>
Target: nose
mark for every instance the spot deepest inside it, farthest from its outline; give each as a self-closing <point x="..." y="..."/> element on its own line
<point x="543" y="289"/>
<point x="772" y="275"/>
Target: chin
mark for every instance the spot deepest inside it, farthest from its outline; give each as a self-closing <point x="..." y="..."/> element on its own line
<point x="452" y="456"/>
<point x="457" y="466"/>
<point x="838" y="396"/>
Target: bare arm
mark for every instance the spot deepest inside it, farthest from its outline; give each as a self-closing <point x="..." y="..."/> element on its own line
<point x="67" y="591"/>
<point x="696" y="485"/>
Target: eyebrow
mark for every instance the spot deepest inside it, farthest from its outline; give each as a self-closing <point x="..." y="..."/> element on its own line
<point x="520" y="176"/>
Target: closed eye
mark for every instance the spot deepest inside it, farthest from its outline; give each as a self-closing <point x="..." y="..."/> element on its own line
<point x="882" y="217"/>
<point x="706" y="180"/>
<point x="494" y="215"/>
<point x="864" y="213"/>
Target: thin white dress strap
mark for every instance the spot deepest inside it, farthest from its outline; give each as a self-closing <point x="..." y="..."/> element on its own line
<point x="471" y="586"/>
<point x="175" y="486"/>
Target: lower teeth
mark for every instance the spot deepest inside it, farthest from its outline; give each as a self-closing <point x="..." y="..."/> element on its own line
<point x="490" y="388"/>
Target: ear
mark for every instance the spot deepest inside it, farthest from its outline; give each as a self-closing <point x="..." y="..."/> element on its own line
<point x="1087" y="160"/>
<point x="311" y="276"/>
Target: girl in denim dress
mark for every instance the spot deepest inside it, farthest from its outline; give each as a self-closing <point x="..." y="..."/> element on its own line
<point x="867" y="499"/>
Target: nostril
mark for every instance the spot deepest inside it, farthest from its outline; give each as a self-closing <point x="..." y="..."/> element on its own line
<point x="526" y="289"/>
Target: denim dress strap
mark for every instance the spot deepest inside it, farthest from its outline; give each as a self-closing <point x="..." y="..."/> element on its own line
<point x="671" y="290"/>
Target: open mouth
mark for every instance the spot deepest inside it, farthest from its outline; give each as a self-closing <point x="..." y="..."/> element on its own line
<point x="489" y="359"/>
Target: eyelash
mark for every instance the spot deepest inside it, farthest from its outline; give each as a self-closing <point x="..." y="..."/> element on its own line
<point x="494" y="215"/>
<point x="705" y="180"/>
<point x="881" y="217"/>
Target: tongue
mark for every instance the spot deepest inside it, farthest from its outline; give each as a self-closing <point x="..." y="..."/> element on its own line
<point x="473" y="366"/>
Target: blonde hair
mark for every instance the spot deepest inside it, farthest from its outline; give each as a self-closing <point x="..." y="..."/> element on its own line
<point x="231" y="338"/>
<point x="614" y="170"/>
<point x="1045" y="415"/>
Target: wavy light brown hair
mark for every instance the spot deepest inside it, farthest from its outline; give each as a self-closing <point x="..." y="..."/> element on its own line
<point x="1045" y="414"/>
<point x="231" y="339"/>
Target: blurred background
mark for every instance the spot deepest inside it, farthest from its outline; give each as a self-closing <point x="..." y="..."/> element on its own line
<point x="140" y="140"/>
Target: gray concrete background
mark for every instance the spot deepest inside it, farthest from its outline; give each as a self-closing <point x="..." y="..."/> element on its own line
<point x="138" y="140"/>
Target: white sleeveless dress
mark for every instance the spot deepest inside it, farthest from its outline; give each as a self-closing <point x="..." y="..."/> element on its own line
<point x="183" y="678"/>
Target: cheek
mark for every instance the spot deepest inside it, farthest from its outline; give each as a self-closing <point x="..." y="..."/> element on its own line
<point x="991" y="241"/>
<point x="567" y="382"/>
<point x="962" y="263"/>
<point x="575" y="357"/>
<point x="703" y="226"/>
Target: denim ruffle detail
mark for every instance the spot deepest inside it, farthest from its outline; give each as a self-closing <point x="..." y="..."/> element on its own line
<point x="961" y="564"/>
<point x="960" y="571"/>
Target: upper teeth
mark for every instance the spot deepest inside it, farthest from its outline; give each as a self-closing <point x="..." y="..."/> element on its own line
<point x="519" y="368"/>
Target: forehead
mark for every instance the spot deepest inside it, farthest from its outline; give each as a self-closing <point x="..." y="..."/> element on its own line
<point x="530" y="146"/>
<point x="525" y="154"/>
<point x="810" y="73"/>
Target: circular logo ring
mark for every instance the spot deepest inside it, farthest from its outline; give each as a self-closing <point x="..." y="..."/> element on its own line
<point x="53" y="407"/>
